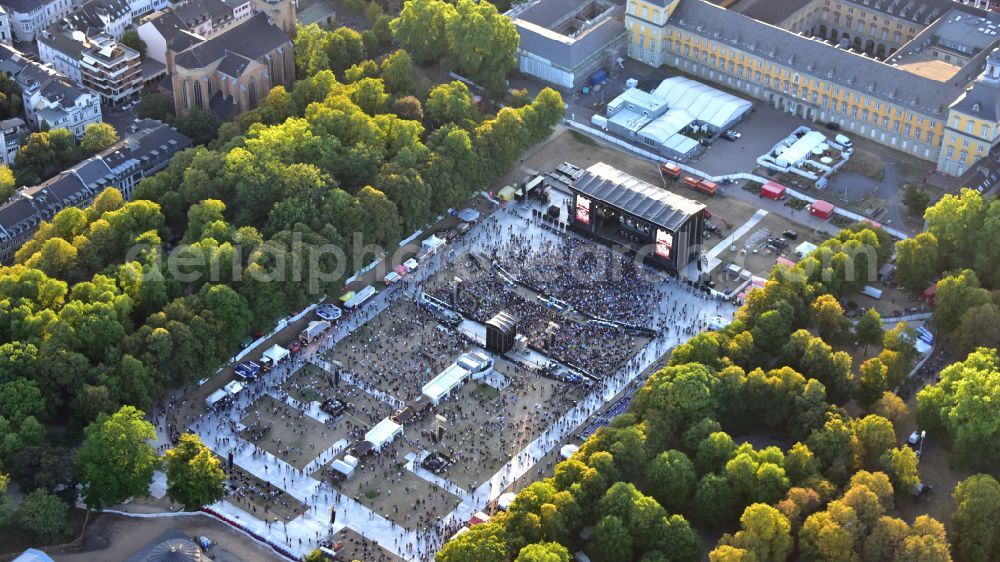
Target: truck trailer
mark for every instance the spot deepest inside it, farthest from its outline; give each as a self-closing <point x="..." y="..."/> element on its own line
<point x="313" y="331"/>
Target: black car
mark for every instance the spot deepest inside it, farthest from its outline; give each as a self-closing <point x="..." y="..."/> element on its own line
<point x="833" y="126"/>
<point x="790" y="234"/>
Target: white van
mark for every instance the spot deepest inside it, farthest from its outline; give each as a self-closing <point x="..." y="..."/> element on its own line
<point x="842" y="140"/>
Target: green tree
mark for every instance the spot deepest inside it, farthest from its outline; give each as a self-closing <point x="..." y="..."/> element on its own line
<point x="449" y="103"/>
<point x="194" y="475"/>
<point x="976" y="530"/>
<point x="829" y="318"/>
<point x="872" y="382"/>
<point x="978" y="328"/>
<point x="19" y="399"/>
<point x="900" y="464"/>
<point x="956" y="221"/>
<point x="155" y="105"/>
<point x="131" y="40"/>
<point x="116" y="461"/>
<point x="543" y="552"/>
<point x="482" y="45"/>
<point x="397" y="73"/>
<point x="873" y="436"/>
<point x="611" y="540"/>
<point x="671" y="479"/>
<point x="421" y="29"/>
<point x="6" y="504"/>
<point x="916" y="200"/>
<point x="311" y="42"/>
<point x="764" y="532"/>
<point x="10" y="97"/>
<point x="199" y="125"/>
<point x="344" y="48"/>
<point x="869" y="328"/>
<point x="958" y="403"/>
<point x="42" y="515"/>
<point x="97" y="137"/>
<point x="917" y="261"/>
<point x="44" y="155"/>
<point x="7" y="183"/>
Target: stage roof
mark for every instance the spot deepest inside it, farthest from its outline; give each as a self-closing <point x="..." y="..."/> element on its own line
<point x="611" y="186"/>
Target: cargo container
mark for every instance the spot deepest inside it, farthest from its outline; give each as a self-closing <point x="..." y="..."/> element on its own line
<point x="705" y="186"/>
<point x="670" y="170"/>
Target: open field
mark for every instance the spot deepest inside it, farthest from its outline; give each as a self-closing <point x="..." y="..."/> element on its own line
<point x="285" y="432"/>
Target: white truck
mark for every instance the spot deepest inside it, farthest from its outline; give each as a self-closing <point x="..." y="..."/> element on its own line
<point x="313" y="331"/>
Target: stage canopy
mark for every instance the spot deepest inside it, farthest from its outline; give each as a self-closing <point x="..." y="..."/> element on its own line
<point x="613" y="187"/>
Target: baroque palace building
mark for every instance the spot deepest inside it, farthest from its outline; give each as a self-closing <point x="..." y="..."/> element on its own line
<point x="920" y="76"/>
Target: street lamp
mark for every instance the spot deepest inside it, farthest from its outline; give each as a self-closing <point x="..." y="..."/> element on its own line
<point x="922" y="435"/>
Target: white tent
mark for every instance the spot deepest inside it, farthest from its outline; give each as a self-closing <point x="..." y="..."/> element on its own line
<point x="276" y="354"/>
<point x="383" y="433"/>
<point x="445" y="382"/>
<point x="214" y="397"/>
<point x="432" y="244"/>
<point x="804" y="249"/>
<point x="234" y="387"/>
<point x="567" y="450"/>
<point x="343" y="468"/>
<point x="702" y="102"/>
<point x="504" y="501"/>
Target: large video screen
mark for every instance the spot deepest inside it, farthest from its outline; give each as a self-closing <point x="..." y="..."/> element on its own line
<point x="664" y="243"/>
<point x="583" y="209"/>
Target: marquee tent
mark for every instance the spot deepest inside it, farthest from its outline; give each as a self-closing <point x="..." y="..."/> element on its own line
<point x="276" y="354"/>
<point x="383" y="433"/>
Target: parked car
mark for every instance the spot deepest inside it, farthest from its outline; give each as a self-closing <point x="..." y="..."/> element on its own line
<point x="731" y="135"/>
<point x="790" y="234"/>
<point x="833" y="126"/>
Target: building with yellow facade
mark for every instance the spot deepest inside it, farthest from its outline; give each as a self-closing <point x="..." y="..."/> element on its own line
<point x="908" y="74"/>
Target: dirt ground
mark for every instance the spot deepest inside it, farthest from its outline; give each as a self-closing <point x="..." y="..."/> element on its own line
<point x="374" y="483"/>
<point x="291" y="435"/>
<point x="113" y="538"/>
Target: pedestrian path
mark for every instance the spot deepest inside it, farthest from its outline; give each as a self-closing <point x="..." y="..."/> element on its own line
<point x="732" y="237"/>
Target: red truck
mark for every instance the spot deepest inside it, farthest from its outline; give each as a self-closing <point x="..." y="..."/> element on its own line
<point x="704" y="186"/>
<point x="671" y="170"/>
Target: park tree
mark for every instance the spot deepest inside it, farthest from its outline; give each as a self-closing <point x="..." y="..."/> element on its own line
<point x="344" y="48"/>
<point x="482" y="543"/>
<point x="421" y="29"/>
<point x="869" y="328"/>
<point x="715" y="501"/>
<point x="830" y="536"/>
<point x="976" y="520"/>
<point x="311" y="42"/>
<point x="890" y="407"/>
<point x="957" y="221"/>
<point x="277" y="106"/>
<point x="798" y="504"/>
<point x="116" y="460"/>
<point x="671" y="479"/>
<point x="397" y="73"/>
<point x="955" y="403"/>
<point x="45" y="154"/>
<point x="42" y="515"/>
<point x="871" y="383"/>
<point x="194" y="475"/>
<point x="364" y="69"/>
<point x="829" y="318"/>
<point x="369" y="95"/>
<point x="764" y="532"/>
<point x="21" y="398"/>
<point x="978" y="328"/>
<point x="900" y="463"/>
<point x="543" y="552"/>
<point x="450" y="103"/>
<point x="956" y="295"/>
<point x="917" y="261"/>
<point x="987" y="255"/>
<point x="6" y="504"/>
<point x="482" y="45"/>
<point x="408" y="107"/>
<point x="611" y="540"/>
<point x="873" y="436"/>
<point x="97" y="137"/>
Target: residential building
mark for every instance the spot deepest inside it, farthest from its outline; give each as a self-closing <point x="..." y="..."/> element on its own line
<point x="11" y="132"/>
<point x="140" y="8"/>
<point x="232" y="72"/>
<point x="61" y="49"/>
<point x="93" y="17"/>
<point x="111" y="70"/>
<point x="49" y="98"/>
<point x="6" y="36"/>
<point x="144" y="152"/>
<point x="27" y="17"/>
<point x="564" y="42"/>
<point x="165" y="31"/>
